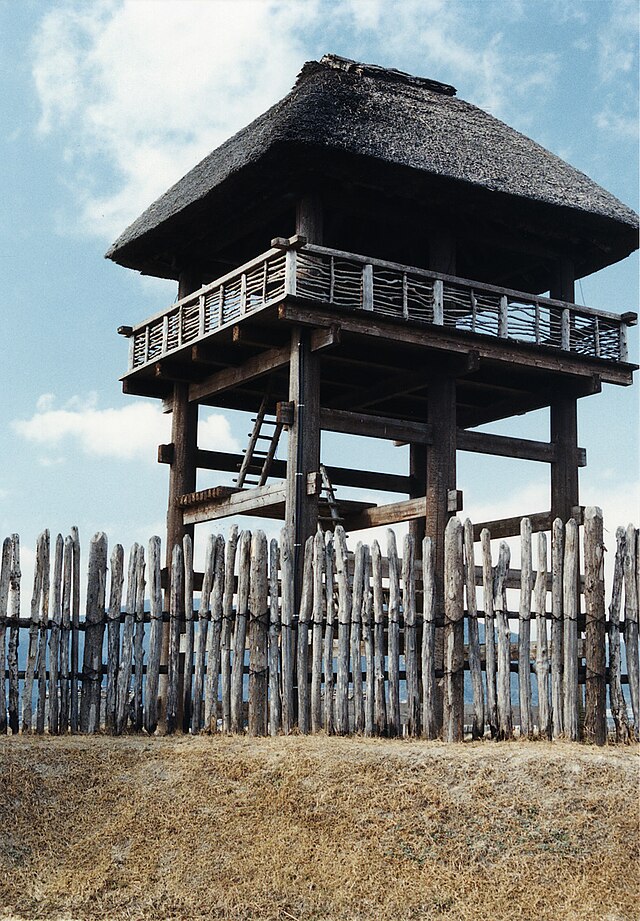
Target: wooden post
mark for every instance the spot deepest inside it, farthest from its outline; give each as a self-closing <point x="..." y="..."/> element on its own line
<point x="275" y="708"/>
<point x="14" y="630"/>
<point x="524" y="644"/>
<point x="380" y="709"/>
<point x="213" y="639"/>
<point x="542" y="651"/>
<point x="505" y="717"/>
<point x="344" y="623"/>
<point x="570" y="600"/>
<point x="631" y="624"/>
<point x="595" y="724"/>
<point x="258" y="637"/>
<point x="429" y="695"/>
<point x="453" y="723"/>
<point x="329" y="685"/>
<point x="237" y="671"/>
<point x="182" y="479"/>
<point x="304" y="448"/>
<point x="410" y="636"/>
<point x="317" y="638"/>
<point x="616" y="697"/>
<point x="489" y="633"/>
<point x="475" y="668"/>
<point x="441" y="478"/>
<point x="557" y="628"/>
<point x="94" y="632"/>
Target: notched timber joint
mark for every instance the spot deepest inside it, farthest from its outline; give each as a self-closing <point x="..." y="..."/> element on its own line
<point x="126" y="331"/>
<point x="166" y="453"/>
<point x="285" y="412"/>
<point x="314" y="483"/>
<point x="454" y="500"/>
<point x="297" y="241"/>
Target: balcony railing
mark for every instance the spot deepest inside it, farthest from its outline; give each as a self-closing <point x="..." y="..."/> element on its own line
<point x="386" y="289"/>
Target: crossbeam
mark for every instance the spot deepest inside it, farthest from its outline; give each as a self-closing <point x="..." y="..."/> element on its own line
<point x="248" y="501"/>
<point x="505" y="446"/>
<point x="393" y="513"/>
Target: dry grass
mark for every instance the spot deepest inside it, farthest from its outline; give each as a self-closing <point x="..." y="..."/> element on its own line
<point x="316" y="828"/>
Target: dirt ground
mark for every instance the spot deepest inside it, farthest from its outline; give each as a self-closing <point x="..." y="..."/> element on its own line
<point x="316" y="828"/>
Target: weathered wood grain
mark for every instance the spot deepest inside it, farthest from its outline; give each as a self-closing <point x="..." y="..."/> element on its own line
<point x="410" y="636"/>
<point x="617" y="701"/>
<point x="302" y="651"/>
<point x="94" y="632"/>
<point x="41" y="664"/>
<point x="54" y="638"/>
<point x="258" y="636"/>
<point x="173" y="661"/>
<point x="344" y="620"/>
<point x="32" y="652"/>
<point x="631" y="623"/>
<point x="275" y="705"/>
<point x="137" y="715"/>
<point x="394" y="726"/>
<point x="319" y="564"/>
<point x="524" y="638"/>
<point x="65" y="636"/>
<point x="429" y="686"/>
<point x="355" y="640"/>
<point x="595" y="721"/>
<point x="367" y="640"/>
<point x="542" y="651"/>
<point x="204" y="612"/>
<point x="570" y="605"/>
<point x="505" y="713"/>
<point x="189" y="632"/>
<point x="226" y="632"/>
<point x="213" y="638"/>
<point x="453" y="712"/>
<point x="155" y="637"/>
<point x="113" y="635"/>
<point x="379" y="654"/>
<point x="489" y="633"/>
<point x="287" y="640"/>
<point x="75" y="631"/>
<point x="475" y="667"/>
<point x="330" y="608"/>
<point x="14" y="634"/>
<point x="557" y="628"/>
<point x="126" y="653"/>
<point x="5" y="569"/>
<point x="240" y="633"/>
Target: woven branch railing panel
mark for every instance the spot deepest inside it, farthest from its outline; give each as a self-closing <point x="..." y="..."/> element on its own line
<point x="367" y="651"/>
<point x="346" y="280"/>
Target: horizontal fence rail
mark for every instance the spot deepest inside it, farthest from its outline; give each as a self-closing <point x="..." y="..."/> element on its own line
<point x="367" y="650"/>
<point x="387" y="289"/>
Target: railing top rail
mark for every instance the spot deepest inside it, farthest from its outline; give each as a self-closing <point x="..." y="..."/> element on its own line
<point x="628" y="318"/>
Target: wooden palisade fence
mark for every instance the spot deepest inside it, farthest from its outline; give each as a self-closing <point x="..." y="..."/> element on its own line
<point x="359" y="655"/>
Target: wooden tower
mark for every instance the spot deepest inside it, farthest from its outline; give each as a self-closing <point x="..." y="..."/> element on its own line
<point x="374" y="256"/>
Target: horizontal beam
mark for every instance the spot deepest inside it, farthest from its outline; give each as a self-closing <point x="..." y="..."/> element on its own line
<point x="354" y="423"/>
<point x="433" y="337"/>
<point x="504" y="446"/>
<point x="247" y="502"/>
<point x="510" y="527"/>
<point x="381" y="515"/>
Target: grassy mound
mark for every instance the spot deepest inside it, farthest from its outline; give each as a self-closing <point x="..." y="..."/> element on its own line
<point x="316" y="828"/>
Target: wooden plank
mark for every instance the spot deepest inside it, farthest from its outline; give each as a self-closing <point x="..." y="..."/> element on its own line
<point x="570" y="603"/>
<point x="380" y="515"/>
<point x="510" y="527"/>
<point x="380" y="716"/>
<point x="319" y="564"/>
<point x="247" y="502"/>
<point x="204" y="613"/>
<point x="229" y="378"/>
<point x="557" y="629"/>
<point x="344" y="620"/>
<point x="41" y="663"/>
<point x="453" y="714"/>
<point x="330" y="612"/>
<point x="14" y="631"/>
<point x="138" y="643"/>
<point x="475" y="669"/>
<point x="213" y="638"/>
<point x="429" y="684"/>
<point x="410" y="636"/>
<point x="505" y="715"/>
<point x="239" y="639"/>
<point x="65" y="638"/>
<point x="355" y="638"/>
<point x="394" y="726"/>
<point x="631" y="623"/>
<point x="288" y="650"/>
<point x="355" y="423"/>
<point x="113" y="636"/>
<point x="173" y="661"/>
<point x="545" y="725"/>
<point x="616" y="697"/>
<point x="94" y="632"/>
<point x="258" y="636"/>
<point x="367" y="639"/>
<point x="186" y="704"/>
<point x="126" y="656"/>
<point x="155" y="637"/>
<point x="595" y="721"/>
<point x="275" y="705"/>
<point x="489" y="632"/>
<point x="524" y="624"/>
<point x="225" y="633"/>
<point x="505" y="446"/>
<point x="302" y="650"/>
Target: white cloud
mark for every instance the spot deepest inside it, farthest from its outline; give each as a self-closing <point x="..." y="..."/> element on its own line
<point x="131" y="432"/>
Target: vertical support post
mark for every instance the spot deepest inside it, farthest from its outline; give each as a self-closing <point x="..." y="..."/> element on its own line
<point x="304" y="447"/>
<point x="441" y="477"/>
<point x="596" y="692"/>
<point x="182" y="478"/>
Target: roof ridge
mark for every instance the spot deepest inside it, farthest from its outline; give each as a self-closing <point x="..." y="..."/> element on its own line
<point x="376" y="71"/>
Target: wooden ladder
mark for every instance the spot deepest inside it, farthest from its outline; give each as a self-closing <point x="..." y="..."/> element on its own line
<point x="256" y="464"/>
<point x="328" y="494"/>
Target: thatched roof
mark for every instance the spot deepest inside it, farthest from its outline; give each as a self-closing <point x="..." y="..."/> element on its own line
<point x="342" y="108"/>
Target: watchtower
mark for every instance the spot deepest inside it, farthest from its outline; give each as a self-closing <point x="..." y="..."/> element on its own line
<point x="419" y="283"/>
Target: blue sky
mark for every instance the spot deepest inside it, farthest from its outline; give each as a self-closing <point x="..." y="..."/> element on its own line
<point x="105" y="104"/>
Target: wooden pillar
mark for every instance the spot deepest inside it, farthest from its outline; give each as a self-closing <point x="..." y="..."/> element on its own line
<point x="418" y="474"/>
<point x="303" y="456"/>
<point x="182" y="479"/>
<point x="310" y="217"/>
<point x="564" y="419"/>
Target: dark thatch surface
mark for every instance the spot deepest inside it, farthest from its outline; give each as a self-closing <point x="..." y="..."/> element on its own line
<point x="395" y="119"/>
